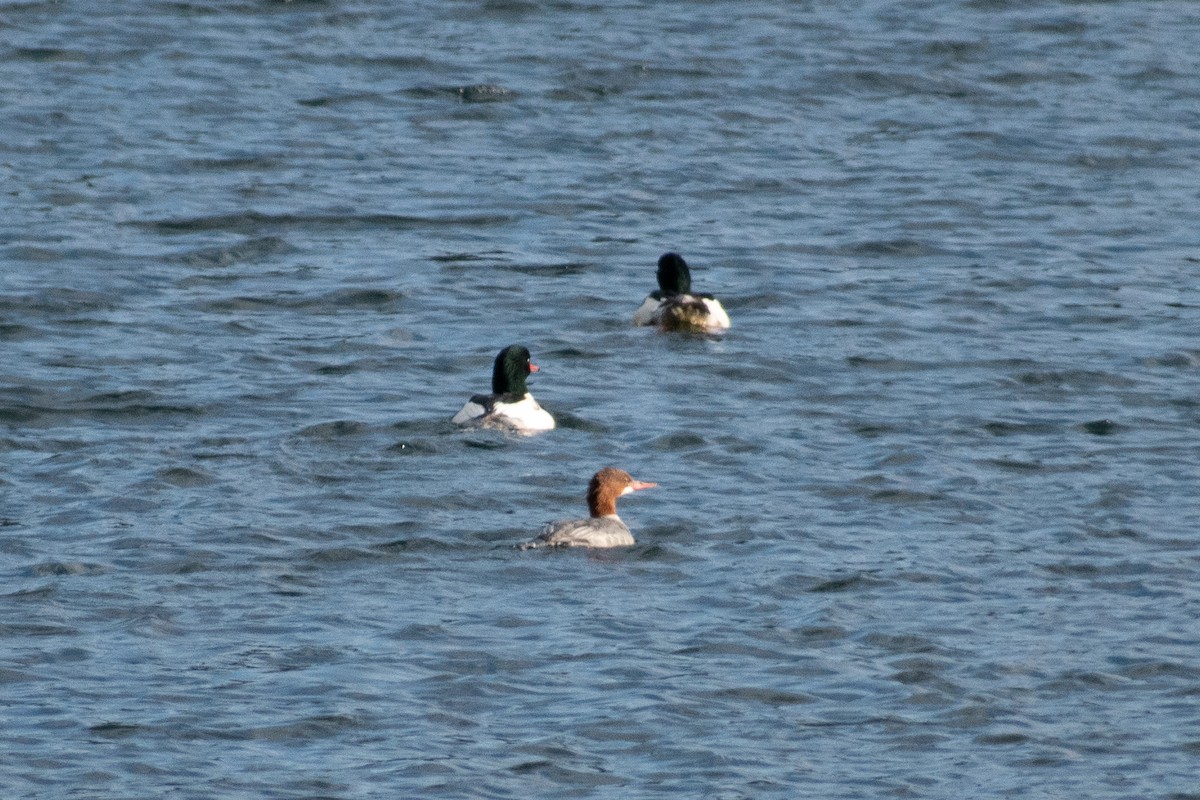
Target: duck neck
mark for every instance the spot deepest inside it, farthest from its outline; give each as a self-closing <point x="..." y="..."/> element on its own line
<point x="602" y="500"/>
<point x="508" y="381"/>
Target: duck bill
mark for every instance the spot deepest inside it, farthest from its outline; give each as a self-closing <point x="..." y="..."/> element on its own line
<point x="533" y="367"/>
<point x="639" y="485"/>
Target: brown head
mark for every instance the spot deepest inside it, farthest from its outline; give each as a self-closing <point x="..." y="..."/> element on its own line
<point x="607" y="485"/>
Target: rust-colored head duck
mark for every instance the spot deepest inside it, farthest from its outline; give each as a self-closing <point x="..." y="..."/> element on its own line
<point x="606" y="486"/>
<point x="604" y="528"/>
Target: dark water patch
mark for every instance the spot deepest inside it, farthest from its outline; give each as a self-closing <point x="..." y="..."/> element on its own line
<point x="186" y="478"/>
<point x="16" y="332"/>
<point x="553" y="270"/>
<point x="258" y="223"/>
<point x="34" y="255"/>
<point x="14" y="676"/>
<point x="58" y="301"/>
<point x="1073" y="26"/>
<point x="846" y="583"/>
<point x="340" y="556"/>
<point x="919" y="670"/>
<point x="466" y="258"/>
<point x="1157" y="74"/>
<point x="1013" y="465"/>
<point x="560" y="775"/>
<point x="956" y="49"/>
<point x="417" y="428"/>
<point x="132" y="404"/>
<point x="37" y="595"/>
<point x="335" y="100"/>
<point x="569" y="421"/>
<point x="884" y="364"/>
<point x="421" y="633"/>
<point x="656" y="552"/>
<point x="476" y="93"/>
<point x="515" y="8"/>
<point x="1085" y="569"/>
<point x="1002" y="739"/>
<point x="1115" y="533"/>
<point x="739" y="445"/>
<point x="413" y="447"/>
<point x="891" y="83"/>
<point x="348" y="368"/>
<point x="1005" y="428"/>
<point x="118" y="730"/>
<point x="1179" y="359"/>
<point x="35" y="629"/>
<point x="65" y="568"/>
<point x="248" y="163"/>
<point x="362" y="299"/>
<point x="901" y="643"/>
<point x="1149" y="670"/>
<point x="246" y="251"/>
<point x="307" y="729"/>
<point x="1083" y="680"/>
<point x="821" y="634"/>
<point x="394" y="61"/>
<point x="732" y="649"/>
<point x="21" y="414"/>
<point x="582" y="91"/>
<point x="1101" y="427"/>
<point x="673" y="442"/>
<point x="900" y="496"/>
<point x="485" y="93"/>
<point x="419" y="544"/>
<point x="44" y="55"/>
<point x="767" y="697"/>
<point x="874" y="430"/>
<point x="302" y="657"/>
<point x="1023" y="78"/>
<point x="500" y="442"/>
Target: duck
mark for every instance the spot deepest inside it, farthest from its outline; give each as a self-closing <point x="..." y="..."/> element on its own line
<point x="673" y="306"/>
<point x="603" y="528"/>
<point x="510" y="405"/>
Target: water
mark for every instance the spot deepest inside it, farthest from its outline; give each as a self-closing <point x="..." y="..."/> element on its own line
<point x="926" y="516"/>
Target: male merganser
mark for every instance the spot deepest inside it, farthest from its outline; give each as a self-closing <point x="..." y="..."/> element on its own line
<point x="604" y="528"/>
<point x="510" y="405"/>
<point x="674" y="308"/>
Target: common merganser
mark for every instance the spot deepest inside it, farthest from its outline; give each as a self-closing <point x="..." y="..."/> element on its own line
<point x="673" y="307"/>
<point x="510" y="405"/>
<point x="604" y="528"/>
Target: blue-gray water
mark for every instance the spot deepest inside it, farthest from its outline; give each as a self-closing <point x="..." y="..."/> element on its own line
<point x="927" y="516"/>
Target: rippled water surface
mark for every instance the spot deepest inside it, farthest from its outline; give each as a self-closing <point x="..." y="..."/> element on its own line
<point x="926" y="522"/>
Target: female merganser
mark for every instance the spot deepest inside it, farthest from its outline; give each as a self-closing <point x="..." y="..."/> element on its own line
<point x="605" y="528"/>
<point x="510" y="405"/>
<point x="674" y="308"/>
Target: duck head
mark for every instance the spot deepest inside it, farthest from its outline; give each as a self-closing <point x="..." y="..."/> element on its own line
<point x="513" y="365"/>
<point x="673" y="274"/>
<point x="607" y="485"/>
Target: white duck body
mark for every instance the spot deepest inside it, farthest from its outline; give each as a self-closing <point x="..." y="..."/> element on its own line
<point x="489" y="410"/>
